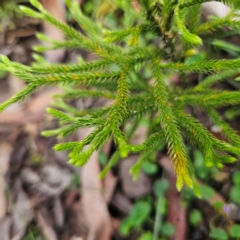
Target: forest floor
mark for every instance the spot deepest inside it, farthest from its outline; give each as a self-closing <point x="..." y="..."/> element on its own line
<point x="43" y="197"/>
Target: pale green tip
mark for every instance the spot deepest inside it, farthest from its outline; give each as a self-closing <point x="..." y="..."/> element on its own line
<point x="57" y="147"/>
<point x="101" y="175"/>
<point x="42" y="37"/>
<point x="209" y="164"/>
<point x="4" y="58"/>
<point x="39" y="48"/>
<point x="179" y="183"/>
<point x="45" y="134"/>
<point x="29" y="12"/>
<point x="196" y="39"/>
<point x="49" y="110"/>
<point x="71" y="161"/>
<point x="219" y="165"/>
<point x="36" y="4"/>
<point x="232" y="159"/>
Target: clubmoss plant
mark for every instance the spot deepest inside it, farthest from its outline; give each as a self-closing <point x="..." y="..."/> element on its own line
<point x="161" y="39"/>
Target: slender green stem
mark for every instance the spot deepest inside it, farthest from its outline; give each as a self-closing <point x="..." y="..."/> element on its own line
<point x="159" y="216"/>
<point x="158" y="219"/>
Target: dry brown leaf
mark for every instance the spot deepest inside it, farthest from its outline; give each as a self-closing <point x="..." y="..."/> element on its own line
<point x="50" y="181"/>
<point x="109" y="184"/>
<point x="76" y="223"/>
<point x="45" y="224"/>
<point x="21" y="32"/>
<point x="94" y="204"/>
<point x="58" y="212"/>
<point x="5" y="154"/>
<point x="22" y="214"/>
<point x="5" y="228"/>
<point x="57" y="9"/>
<point x="176" y="210"/>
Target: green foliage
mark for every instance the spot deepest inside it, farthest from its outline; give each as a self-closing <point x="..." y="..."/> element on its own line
<point x="228" y="47"/>
<point x="102" y="158"/>
<point x="138" y="215"/>
<point x="146" y="236"/>
<point x="168" y="229"/>
<point x="236" y="178"/>
<point x="235" y="194"/>
<point x="195" y="217"/>
<point x="160" y="187"/>
<point x="198" y="162"/>
<point x="206" y="191"/>
<point x="235" y="189"/>
<point x="218" y="234"/>
<point x="149" y="168"/>
<point x="33" y="233"/>
<point x="234" y="231"/>
<point x="134" y="66"/>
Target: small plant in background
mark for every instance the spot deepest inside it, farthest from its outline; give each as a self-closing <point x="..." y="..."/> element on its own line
<point x="134" y="66"/>
<point x="141" y="212"/>
<point x="8" y="10"/>
<point x="218" y="233"/>
<point x="235" y="189"/>
<point x="221" y="234"/>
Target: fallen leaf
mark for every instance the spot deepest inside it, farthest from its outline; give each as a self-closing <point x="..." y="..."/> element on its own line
<point x="176" y="213"/>
<point x="57" y="9"/>
<point x="5" y="154"/>
<point x="5" y="227"/>
<point x="22" y="214"/>
<point x="94" y="204"/>
<point x="44" y="221"/>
